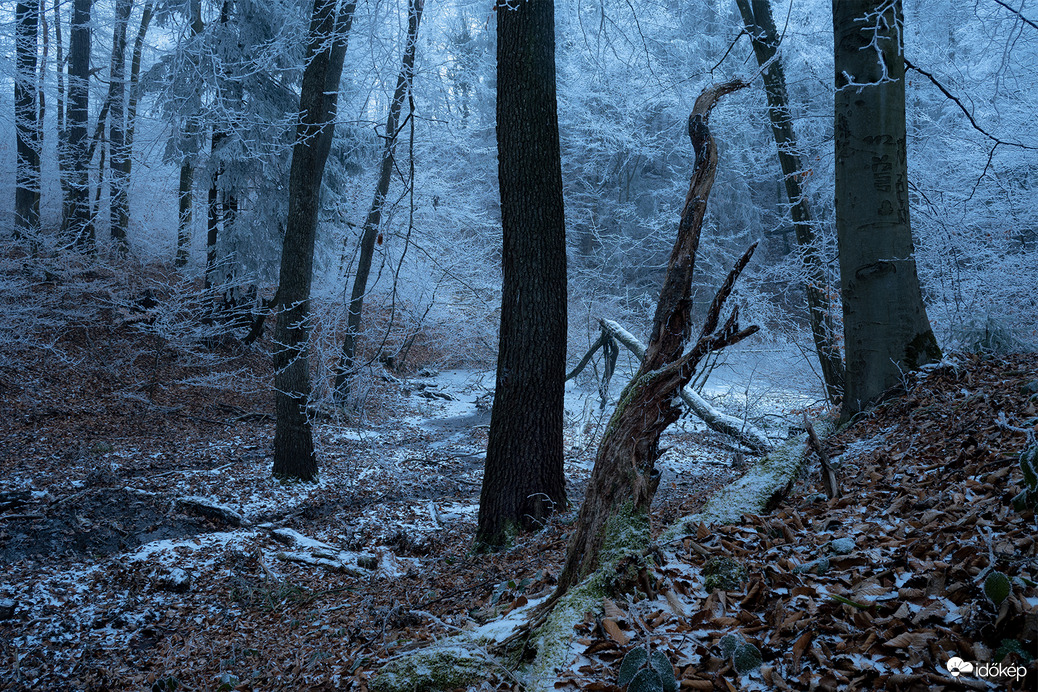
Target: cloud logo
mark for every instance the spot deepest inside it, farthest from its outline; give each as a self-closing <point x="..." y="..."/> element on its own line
<point x="956" y="666"/>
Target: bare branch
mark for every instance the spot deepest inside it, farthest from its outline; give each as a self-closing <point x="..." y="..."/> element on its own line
<point x="965" y="111"/>
<point x="1022" y="18"/>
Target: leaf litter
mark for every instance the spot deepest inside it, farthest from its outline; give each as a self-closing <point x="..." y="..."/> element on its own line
<point x="117" y="576"/>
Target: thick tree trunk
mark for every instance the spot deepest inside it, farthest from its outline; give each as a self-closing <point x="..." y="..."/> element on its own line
<point x="624" y="479"/>
<point x="120" y="208"/>
<point x="27" y="124"/>
<point x="77" y="220"/>
<point x="293" y="438"/>
<point x="760" y="25"/>
<point x="523" y="481"/>
<point x="373" y="222"/>
<point x="886" y="329"/>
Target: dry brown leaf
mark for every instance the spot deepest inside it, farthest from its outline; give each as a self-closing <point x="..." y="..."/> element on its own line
<point x="799" y="647"/>
<point x="696" y="685"/>
<point x="903" y="613"/>
<point x="612" y="610"/>
<point x="910" y="640"/>
<point x="615" y="633"/>
<point x="674" y="601"/>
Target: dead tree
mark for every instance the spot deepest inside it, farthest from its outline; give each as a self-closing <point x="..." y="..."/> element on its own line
<point x="613" y="334"/>
<point x="625" y="478"/>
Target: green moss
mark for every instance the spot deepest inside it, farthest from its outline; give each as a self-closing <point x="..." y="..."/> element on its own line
<point x="751" y="493"/>
<point x="504" y="539"/>
<point x="626" y="532"/>
<point x="723" y="574"/>
<point x="921" y="350"/>
<point x="627" y="396"/>
<point x="432" y="670"/>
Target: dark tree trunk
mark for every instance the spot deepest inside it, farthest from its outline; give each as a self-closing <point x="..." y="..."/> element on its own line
<point x="216" y="217"/>
<point x="212" y="227"/>
<point x="187" y="166"/>
<point x="126" y="167"/>
<point x="886" y="329"/>
<point x="59" y="70"/>
<point x="373" y="222"/>
<point x="27" y="124"/>
<point x="625" y="478"/>
<point x="186" y="202"/>
<point x="760" y="25"/>
<point x="523" y="481"/>
<point x="77" y="220"/>
<point x="41" y="100"/>
<point x="118" y="156"/>
<point x="318" y="99"/>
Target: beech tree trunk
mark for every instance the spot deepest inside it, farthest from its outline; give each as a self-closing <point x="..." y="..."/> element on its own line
<point x="523" y="482"/>
<point x="373" y="222"/>
<point x="77" y="220"/>
<point x="624" y="479"/>
<point x="318" y="99"/>
<point x="760" y="25"/>
<point x="886" y="329"/>
<point x="27" y="124"/>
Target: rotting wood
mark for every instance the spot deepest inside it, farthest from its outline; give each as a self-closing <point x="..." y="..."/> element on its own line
<point x="742" y="431"/>
<point x="830" y="481"/>
<point x="624" y="479"/>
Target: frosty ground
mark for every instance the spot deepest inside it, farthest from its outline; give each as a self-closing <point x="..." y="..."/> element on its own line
<point x="146" y="544"/>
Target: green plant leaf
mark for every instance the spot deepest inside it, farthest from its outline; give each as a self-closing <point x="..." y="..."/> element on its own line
<point x="997" y="588"/>
<point x="1012" y="646"/>
<point x="1029" y="465"/>
<point x="746" y="658"/>
<point x="647" y="680"/>
<point x="634" y="660"/>
<point x="729" y="643"/>
<point x="659" y="662"/>
<point x="849" y="602"/>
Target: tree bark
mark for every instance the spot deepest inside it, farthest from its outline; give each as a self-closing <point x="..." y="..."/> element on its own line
<point x="760" y="25"/>
<point x="886" y="329"/>
<point x="741" y="431"/>
<point x="77" y="220"/>
<point x="624" y="479"/>
<point x="373" y="222"/>
<point x="217" y="212"/>
<point x="186" y="200"/>
<point x="523" y="482"/>
<point x="121" y="207"/>
<point x="27" y="124"/>
<point x="293" y="437"/>
<point x="59" y="70"/>
<point x="118" y="156"/>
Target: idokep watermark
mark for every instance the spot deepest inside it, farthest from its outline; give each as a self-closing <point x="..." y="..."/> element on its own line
<point x="988" y="671"/>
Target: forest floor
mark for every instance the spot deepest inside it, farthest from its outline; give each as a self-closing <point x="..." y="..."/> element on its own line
<point x="144" y="544"/>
